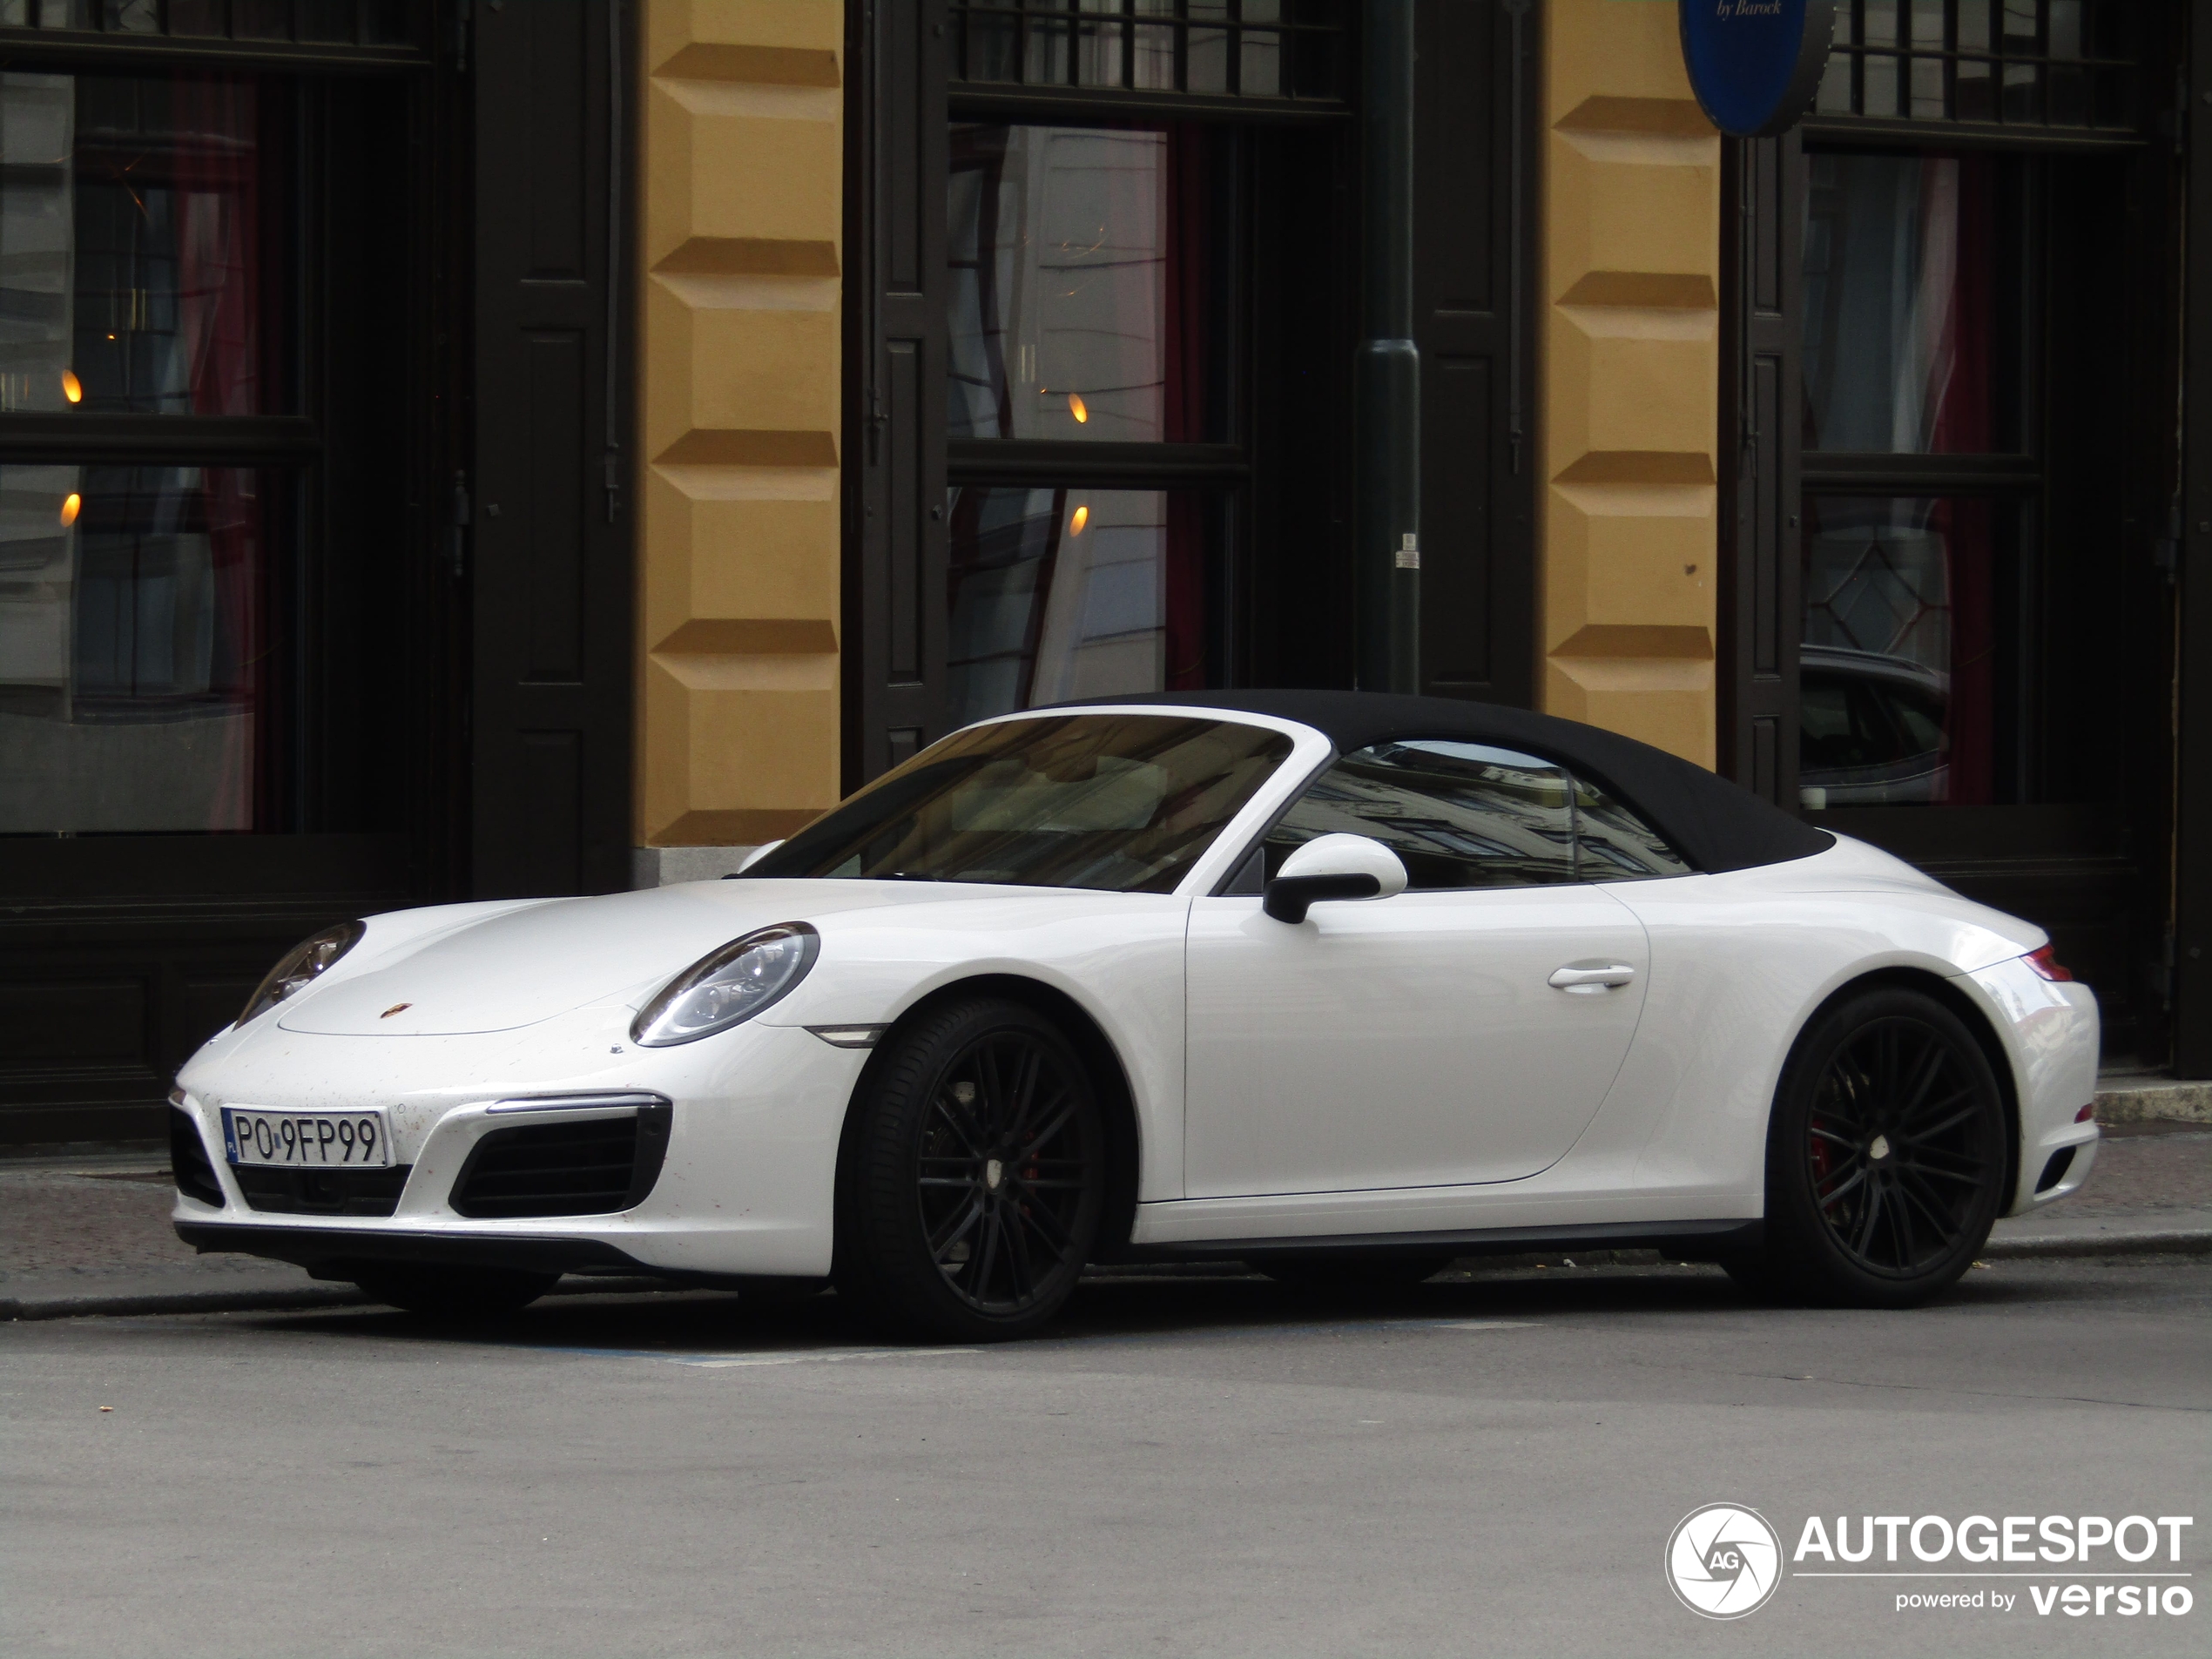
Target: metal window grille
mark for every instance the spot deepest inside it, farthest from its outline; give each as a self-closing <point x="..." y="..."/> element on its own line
<point x="308" y="23"/>
<point x="2064" y="65"/>
<point x="1254" y="48"/>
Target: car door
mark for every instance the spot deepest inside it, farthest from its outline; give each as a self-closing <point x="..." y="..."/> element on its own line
<point x="1464" y="1030"/>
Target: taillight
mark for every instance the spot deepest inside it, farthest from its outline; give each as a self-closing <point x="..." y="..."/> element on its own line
<point x="2046" y="963"/>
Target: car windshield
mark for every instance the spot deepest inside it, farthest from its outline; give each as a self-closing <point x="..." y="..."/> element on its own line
<point x="1120" y="803"/>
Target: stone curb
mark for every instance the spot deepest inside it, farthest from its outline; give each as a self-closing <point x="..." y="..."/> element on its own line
<point x="2179" y="1241"/>
<point x="301" y="1298"/>
<point x="79" y="1307"/>
<point x="2151" y="1099"/>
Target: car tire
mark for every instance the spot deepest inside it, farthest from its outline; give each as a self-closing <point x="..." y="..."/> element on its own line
<point x="1356" y="1272"/>
<point x="1886" y="1157"/>
<point x="973" y="1176"/>
<point x="456" y="1295"/>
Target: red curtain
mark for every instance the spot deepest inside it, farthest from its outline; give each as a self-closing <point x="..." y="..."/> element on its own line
<point x="215" y="172"/>
<point x="1184" y="414"/>
<point x="1960" y="368"/>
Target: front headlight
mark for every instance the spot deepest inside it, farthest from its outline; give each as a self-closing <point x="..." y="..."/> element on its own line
<point x="301" y="967"/>
<point x="728" y="987"/>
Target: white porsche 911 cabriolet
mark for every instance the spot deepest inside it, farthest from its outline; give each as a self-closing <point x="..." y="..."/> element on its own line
<point x="1343" y="985"/>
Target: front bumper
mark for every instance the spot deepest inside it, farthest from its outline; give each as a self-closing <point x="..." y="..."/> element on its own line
<point x="744" y="1189"/>
<point x="333" y="1252"/>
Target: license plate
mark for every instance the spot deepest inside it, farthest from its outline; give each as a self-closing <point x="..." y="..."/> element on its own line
<point x="308" y="1140"/>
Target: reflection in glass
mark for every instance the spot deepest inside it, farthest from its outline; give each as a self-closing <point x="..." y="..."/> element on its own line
<point x="133" y="649"/>
<point x="1059" y="594"/>
<point x="1123" y="803"/>
<point x="1900" y="690"/>
<point x="1080" y="302"/>
<point x="1468" y="815"/>
<point x="131" y="228"/>
<point x="1457" y="815"/>
<point x="1902" y="295"/>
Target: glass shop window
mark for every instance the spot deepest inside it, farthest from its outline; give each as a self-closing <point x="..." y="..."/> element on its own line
<point x="1910" y="681"/>
<point x="1083" y="304"/>
<point x="1059" y="594"/>
<point x="134" y="649"/>
<point x="1942" y="625"/>
<point x="1089" y="308"/>
<point x="164" y="661"/>
<point x="133" y="229"/>
<point x="1912" y="294"/>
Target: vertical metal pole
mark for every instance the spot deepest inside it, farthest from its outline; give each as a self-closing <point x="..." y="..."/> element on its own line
<point x="1389" y="366"/>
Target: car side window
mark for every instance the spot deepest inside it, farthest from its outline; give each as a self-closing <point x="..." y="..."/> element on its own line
<point x="1462" y="815"/>
<point x="1457" y="815"/>
<point x="1613" y="844"/>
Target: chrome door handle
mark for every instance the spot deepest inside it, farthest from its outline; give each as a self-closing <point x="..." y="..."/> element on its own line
<point x="1587" y="981"/>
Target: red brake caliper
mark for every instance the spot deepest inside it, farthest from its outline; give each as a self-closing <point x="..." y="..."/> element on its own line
<point x="1823" y="1161"/>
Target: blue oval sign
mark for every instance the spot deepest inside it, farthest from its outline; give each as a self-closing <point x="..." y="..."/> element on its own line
<point x="1754" y="64"/>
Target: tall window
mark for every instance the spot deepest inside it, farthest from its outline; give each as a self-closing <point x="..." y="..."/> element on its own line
<point x="161" y="661"/>
<point x="1102" y="263"/>
<point x="1962" y="374"/>
<point x="1950" y="453"/>
<point x="1919" y="625"/>
<point x="1087" y="309"/>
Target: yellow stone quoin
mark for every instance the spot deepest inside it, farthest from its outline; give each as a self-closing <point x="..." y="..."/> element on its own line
<point x="742" y="177"/>
<point x="1629" y="371"/>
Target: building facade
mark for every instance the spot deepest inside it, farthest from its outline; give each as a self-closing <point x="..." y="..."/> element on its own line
<point x="474" y="449"/>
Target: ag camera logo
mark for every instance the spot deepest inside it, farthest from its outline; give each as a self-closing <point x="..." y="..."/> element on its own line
<point x="1723" y="1560"/>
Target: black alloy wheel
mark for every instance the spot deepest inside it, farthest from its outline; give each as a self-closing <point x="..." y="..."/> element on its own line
<point x="1886" y="1157"/>
<point x="973" y="1176"/>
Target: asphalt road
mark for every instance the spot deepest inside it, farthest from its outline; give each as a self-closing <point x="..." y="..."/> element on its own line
<point x="1214" y="1467"/>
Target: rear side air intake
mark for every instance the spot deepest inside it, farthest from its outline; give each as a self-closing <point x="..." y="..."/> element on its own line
<point x="592" y="1166"/>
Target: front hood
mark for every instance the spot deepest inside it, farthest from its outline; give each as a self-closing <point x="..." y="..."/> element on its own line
<point x="523" y="965"/>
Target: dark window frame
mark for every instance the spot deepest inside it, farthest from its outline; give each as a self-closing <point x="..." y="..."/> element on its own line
<point x="969" y="20"/>
<point x="296" y="447"/>
<point x="2110" y="73"/>
<point x="905" y="97"/>
<point x="172" y="930"/>
<point x="1479" y="118"/>
<point x="1225" y="469"/>
<point x="2077" y="869"/>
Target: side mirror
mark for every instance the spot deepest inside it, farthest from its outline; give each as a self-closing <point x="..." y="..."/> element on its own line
<point x="1332" y="866"/>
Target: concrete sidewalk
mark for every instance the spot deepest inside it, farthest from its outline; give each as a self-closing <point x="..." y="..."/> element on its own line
<point x="91" y="1235"/>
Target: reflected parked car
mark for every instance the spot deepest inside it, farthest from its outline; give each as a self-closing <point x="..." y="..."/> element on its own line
<point x="1871" y="730"/>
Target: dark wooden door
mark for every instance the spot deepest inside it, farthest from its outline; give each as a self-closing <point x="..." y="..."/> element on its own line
<point x="1473" y="96"/>
<point x="547" y="530"/>
<point x="2189" y="942"/>
<point x="1759" y="602"/>
<point x="894" y="602"/>
<point x="2071" y="833"/>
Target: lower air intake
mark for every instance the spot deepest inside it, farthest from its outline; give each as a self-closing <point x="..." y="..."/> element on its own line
<point x="592" y="1168"/>
<point x="2054" y="1171"/>
<point x="188" y="1160"/>
<point x="321" y="1192"/>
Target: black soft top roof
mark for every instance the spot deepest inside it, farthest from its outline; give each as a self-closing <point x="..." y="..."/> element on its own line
<point x="1710" y="821"/>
